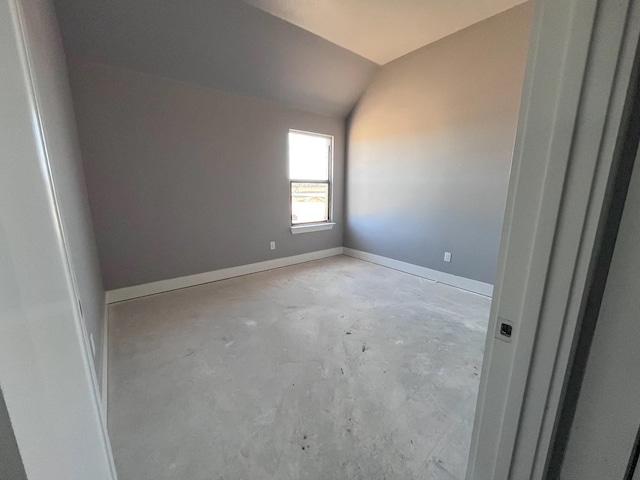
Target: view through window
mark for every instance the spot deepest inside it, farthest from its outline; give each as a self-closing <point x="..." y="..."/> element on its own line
<point x="310" y="177"/>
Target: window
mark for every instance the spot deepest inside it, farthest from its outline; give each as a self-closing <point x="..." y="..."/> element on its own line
<point x="310" y="179"/>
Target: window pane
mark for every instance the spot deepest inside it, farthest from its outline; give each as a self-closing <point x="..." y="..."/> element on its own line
<point x="309" y="202"/>
<point x="308" y="156"/>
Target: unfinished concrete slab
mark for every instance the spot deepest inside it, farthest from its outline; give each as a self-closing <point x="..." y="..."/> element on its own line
<point x="333" y="369"/>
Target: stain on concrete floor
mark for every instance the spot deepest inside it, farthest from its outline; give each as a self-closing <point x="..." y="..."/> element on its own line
<point x="333" y="369"/>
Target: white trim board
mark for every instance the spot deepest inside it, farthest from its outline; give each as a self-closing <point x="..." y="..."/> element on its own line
<point x="316" y="227"/>
<point x="129" y="293"/>
<point x="474" y="286"/>
<point x="571" y="130"/>
<point x="104" y="381"/>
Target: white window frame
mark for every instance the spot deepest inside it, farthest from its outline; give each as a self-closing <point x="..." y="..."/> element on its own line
<point x="313" y="226"/>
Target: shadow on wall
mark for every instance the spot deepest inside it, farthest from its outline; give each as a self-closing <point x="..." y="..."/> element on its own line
<point x="10" y="460"/>
<point x="430" y="146"/>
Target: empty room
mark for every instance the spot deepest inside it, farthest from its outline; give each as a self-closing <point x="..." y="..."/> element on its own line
<point x="219" y="140"/>
<point x="286" y="235"/>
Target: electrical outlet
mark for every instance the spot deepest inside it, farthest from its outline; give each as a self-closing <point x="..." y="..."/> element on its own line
<point x="272" y="245"/>
<point x="447" y="256"/>
<point x="93" y="345"/>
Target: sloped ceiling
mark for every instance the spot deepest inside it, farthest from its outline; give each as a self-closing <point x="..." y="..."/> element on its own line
<point x="223" y="44"/>
<point x="383" y="30"/>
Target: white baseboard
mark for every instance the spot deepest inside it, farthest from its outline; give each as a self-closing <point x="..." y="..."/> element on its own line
<point x="161" y="286"/>
<point x="474" y="286"/>
<point x="129" y="293"/>
<point x="104" y="381"/>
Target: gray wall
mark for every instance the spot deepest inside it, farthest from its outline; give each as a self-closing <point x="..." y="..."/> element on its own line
<point x="607" y="415"/>
<point x="430" y="146"/>
<point x="55" y="105"/>
<point x="223" y="44"/>
<point x="11" y="467"/>
<point x="183" y="179"/>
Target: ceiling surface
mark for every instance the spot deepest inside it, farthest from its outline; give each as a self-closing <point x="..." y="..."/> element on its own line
<point x="313" y="55"/>
<point x="227" y="45"/>
<point x="383" y="30"/>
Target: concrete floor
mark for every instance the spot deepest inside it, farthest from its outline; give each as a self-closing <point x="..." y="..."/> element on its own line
<point x="334" y="369"/>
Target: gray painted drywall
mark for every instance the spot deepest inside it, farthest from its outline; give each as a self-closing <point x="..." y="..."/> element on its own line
<point x="224" y="44"/>
<point x="11" y="467"/>
<point x="607" y="415"/>
<point x="51" y="84"/>
<point x="430" y="146"/>
<point x="183" y="179"/>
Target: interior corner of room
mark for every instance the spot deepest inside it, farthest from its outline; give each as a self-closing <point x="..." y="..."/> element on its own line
<point x="286" y="240"/>
<point x="191" y="184"/>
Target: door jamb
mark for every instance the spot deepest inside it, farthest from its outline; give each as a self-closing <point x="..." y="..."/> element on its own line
<point x="573" y="110"/>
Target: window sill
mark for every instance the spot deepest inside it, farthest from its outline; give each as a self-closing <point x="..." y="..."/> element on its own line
<point x="313" y="227"/>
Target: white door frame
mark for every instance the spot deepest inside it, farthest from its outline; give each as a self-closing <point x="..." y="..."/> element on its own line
<point x="573" y="109"/>
<point x="46" y="369"/>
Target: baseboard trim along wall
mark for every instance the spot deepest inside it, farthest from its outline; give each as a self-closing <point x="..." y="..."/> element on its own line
<point x="474" y="286"/>
<point x="137" y="291"/>
<point x="129" y="293"/>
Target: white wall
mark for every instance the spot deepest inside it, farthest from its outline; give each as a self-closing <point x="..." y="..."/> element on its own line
<point x="608" y="412"/>
<point x="46" y="372"/>
<point x="55" y="108"/>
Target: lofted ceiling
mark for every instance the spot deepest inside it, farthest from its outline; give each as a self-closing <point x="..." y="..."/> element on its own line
<point x="383" y="30"/>
<point x="227" y="45"/>
<point x="313" y="55"/>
